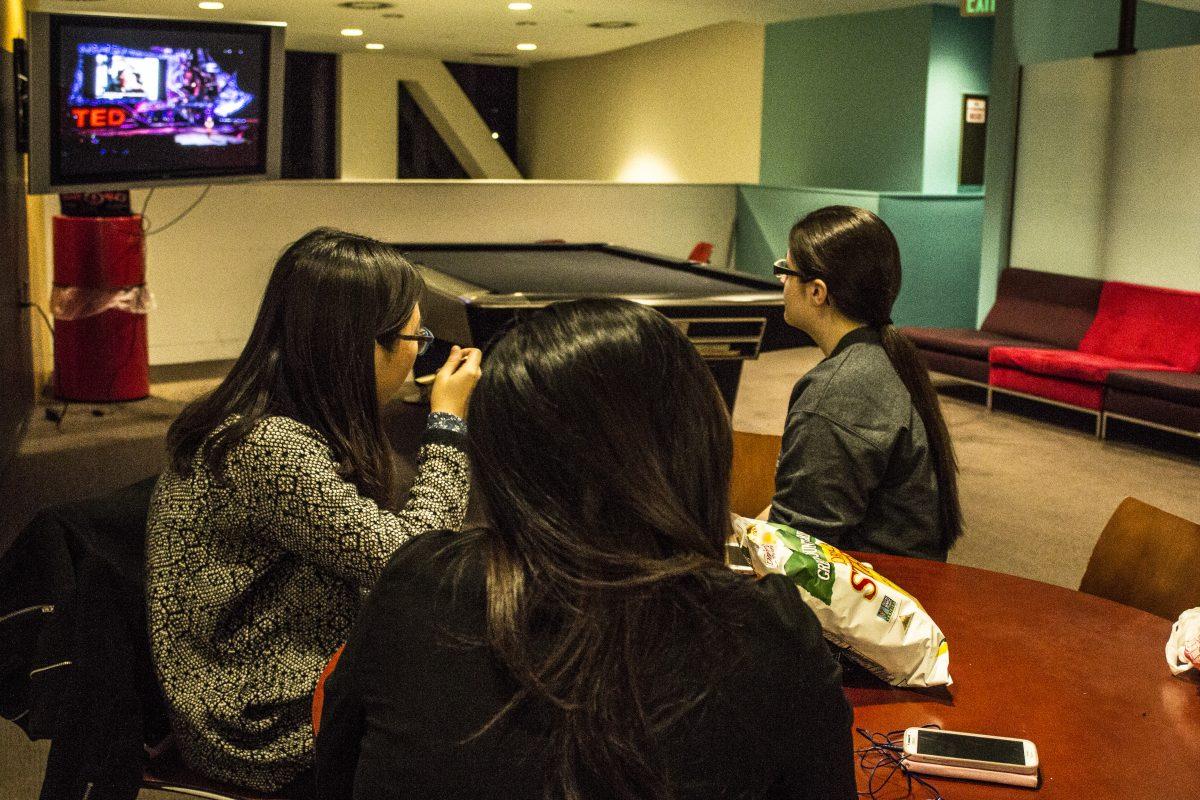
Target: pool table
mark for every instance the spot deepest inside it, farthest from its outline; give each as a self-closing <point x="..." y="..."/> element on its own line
<point x="475" y="291"/>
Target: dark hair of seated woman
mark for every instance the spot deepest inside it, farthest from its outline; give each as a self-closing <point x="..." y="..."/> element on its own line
<point x="592" y="642"/>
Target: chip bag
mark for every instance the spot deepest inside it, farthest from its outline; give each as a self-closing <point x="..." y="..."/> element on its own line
<point x="1183" y="648"/>
<point x="875" y="622"/>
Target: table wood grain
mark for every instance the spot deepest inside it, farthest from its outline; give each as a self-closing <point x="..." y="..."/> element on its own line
<point x="1084" y="678"/>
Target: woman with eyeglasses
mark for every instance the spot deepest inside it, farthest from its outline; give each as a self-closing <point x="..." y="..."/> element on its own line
<point x="279" y="508"/>
<point x="867" y="463"/>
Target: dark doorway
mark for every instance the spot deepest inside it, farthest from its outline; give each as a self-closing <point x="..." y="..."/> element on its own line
<point x="973" y="145"/>
<point x="493" y="92"/>
<point x="310" y="99"/>
<point x="421" y="152"/>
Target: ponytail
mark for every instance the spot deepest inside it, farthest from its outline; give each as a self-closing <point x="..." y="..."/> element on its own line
<point x="856" y="255"/>
<point x="907" y="362"/>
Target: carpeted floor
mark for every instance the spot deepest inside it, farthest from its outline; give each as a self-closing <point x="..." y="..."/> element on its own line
<point x="1035" y="494"/>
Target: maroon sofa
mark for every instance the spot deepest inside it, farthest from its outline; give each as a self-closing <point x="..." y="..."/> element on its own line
<point x="1168" y="400"/>
<point x="1032" y="309"/>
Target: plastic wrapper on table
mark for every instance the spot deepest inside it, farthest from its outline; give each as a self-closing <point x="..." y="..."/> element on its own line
<point x="1183" y="648"/>
<point x="875" y="622"/>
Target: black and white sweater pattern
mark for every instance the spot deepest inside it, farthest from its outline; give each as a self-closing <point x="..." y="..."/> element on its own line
<point x="253" y="582"/>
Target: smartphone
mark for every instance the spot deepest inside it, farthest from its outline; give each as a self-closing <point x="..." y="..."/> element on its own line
<point x="970" y="751"/>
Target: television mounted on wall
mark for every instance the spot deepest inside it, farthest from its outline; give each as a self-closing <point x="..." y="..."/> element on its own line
<point x="120" y="102"/>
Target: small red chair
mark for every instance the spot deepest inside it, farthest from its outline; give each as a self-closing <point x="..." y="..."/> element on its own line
<point x="701" y="253"/>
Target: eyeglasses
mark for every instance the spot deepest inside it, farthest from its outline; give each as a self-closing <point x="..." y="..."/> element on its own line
<point x="424" y="336"/>
<point x="783" y="270"/>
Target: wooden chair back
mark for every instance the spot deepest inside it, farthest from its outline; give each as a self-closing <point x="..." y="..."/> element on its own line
<point x="752" y="484"/>
<point x="1148" y="559"/>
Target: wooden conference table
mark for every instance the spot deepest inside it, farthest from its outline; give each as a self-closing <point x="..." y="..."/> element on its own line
<point x="1081" y="677"/>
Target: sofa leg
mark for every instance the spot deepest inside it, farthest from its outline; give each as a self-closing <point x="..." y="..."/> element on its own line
<point x="1103" y="426"/>
<point x="1099" y="425"/>
<point x="989" y="398"/>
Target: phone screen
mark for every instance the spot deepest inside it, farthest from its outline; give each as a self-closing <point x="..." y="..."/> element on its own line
<point x="976" y="748"/>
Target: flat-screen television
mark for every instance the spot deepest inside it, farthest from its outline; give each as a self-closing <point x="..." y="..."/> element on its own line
<point x="118" y="102"/>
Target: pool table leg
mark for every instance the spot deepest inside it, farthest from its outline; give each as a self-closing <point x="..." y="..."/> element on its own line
<point x="728" y="374"/>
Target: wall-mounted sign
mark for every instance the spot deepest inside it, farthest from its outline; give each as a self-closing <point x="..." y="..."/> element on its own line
<point x="976" y="110"/>
<point x="978" y="8"/>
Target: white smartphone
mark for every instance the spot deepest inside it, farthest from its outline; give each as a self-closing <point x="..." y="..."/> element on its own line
<point x="970" y="751"/>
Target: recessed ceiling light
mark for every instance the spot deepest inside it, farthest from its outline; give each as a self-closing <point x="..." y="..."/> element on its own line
<point x="366" y="6"/>
<point x="495" y="135"/>
<point x="352" y="32"/>
<point x="520" y="6"/>
<point x="612" y="25"/>
<point x="527" y="46"/>
<point x="374" y="46"/>
<point x="212" y="6"/>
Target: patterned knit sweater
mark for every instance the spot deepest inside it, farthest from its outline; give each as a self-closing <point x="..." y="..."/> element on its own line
<point x="252" y="584"/>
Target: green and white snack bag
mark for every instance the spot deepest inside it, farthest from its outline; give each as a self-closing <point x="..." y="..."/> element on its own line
<point x="876" y="623"/>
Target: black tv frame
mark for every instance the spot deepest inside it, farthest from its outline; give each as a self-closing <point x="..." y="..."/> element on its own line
<point x="43" y="53"/>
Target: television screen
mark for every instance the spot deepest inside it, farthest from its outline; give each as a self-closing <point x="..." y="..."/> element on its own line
<point x="129" y="101"/>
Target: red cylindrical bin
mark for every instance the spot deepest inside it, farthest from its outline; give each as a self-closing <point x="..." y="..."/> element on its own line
<point x="105" y="357"/>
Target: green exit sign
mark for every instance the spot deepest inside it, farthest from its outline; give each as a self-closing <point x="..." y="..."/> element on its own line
<point x="978" y="8"/>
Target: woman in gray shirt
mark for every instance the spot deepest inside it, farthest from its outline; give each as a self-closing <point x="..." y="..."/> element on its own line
<point x="867" y="463"/>
<point x="279" y="509"/>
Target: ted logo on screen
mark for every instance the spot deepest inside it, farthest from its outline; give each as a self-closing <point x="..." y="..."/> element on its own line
<point x="170" y="92"/>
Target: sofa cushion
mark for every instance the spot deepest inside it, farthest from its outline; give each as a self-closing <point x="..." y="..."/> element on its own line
<point x="1178" y="387"/>
<point x="1148" y="325"/>
<point x="962" y="341"/>
<point x="1043" y="307"/>
<point x="1153" y="409"/>
<point x="972" y="369"/>
<point x="1070" y="364"/>
<point x="1082" y="394"/>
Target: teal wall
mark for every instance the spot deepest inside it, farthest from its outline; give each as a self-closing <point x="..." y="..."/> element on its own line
<point x="1000" y="161"/>
<point x="939" y="240"/>
<point x="960" y="61"/>
<point x="765" y="215"/>
<point x="1049" y="30"/>
<point x="1165" y="26"/>
<point x="844" y="101"/>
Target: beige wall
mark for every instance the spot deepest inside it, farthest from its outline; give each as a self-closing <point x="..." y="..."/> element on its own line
<point x="685" y="108"/>
<point x="368" y="97"/>
<point x="1108" y="169"/>
<point x="1153" y="224"/>
<point x="208" y="272"/>
<point x="1063" y="167"/>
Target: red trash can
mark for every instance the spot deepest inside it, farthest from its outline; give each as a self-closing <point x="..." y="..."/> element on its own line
<point x="99" y="263"/>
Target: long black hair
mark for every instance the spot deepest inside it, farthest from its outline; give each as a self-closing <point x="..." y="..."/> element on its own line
<point x="603" y="449"/>
<point x="854" y="252"/>
<point x="311" y="356"/>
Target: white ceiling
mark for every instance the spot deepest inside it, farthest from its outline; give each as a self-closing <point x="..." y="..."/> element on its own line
<point x="456" y="30"/>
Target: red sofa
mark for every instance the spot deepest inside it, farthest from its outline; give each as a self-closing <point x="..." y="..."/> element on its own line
<point x="1137" y="328"/>
<point x="1032" y="309"/>
<point x="1118" y="350"/>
